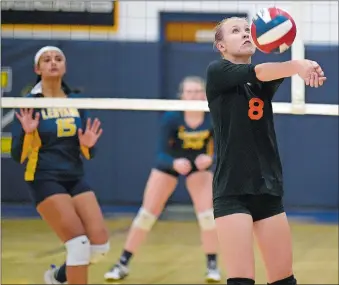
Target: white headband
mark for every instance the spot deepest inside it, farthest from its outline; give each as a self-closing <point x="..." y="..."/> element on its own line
<point x="38" y="87"/>
<point x="43" y="50"/>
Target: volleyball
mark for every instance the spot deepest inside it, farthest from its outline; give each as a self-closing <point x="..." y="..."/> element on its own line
<point x="273" y="30"/>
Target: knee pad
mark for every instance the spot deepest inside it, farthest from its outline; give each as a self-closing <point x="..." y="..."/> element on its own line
<point x="240" y="281"/>
<point x="98" y="252"/>
<point x="144" y="220"/>
<point x="78" y="251"/>
<point x="206" y="220"/>
<point x="287" y="281"/>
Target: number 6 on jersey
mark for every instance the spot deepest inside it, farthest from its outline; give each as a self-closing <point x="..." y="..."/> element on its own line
<point x="256" y="109"/>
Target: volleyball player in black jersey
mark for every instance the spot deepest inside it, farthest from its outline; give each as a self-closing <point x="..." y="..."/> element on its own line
<point x="52" y="141"/>
<point x="248" y="183"/>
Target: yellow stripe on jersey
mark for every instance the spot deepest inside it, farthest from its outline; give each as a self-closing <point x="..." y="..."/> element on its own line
<point x="85" y="152"/>
<point x="210" y="147"/>
<point x="33" y="157"/>
<point x="26" y="146"/>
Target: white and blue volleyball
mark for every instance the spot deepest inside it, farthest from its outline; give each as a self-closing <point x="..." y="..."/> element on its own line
<point x="273" y="30"/>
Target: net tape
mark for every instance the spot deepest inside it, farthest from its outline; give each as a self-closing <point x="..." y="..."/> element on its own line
<point x="155" y="105"/>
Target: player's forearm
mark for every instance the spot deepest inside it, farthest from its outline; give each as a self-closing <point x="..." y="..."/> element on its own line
<point x="21" y="145"/>
<point x="276" y="70"/>
<point x="92" y="152"/>
<point x="16" y="147"/>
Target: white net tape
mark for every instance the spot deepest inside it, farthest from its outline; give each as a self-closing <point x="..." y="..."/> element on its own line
<point x="152" y="105"/>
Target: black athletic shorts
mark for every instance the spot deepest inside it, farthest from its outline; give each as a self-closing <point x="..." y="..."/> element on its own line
<point x="42" y="189"/>
<point x="172" y="172"/>
<point x="258" y="206"/>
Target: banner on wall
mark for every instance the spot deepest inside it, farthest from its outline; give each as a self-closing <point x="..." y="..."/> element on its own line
<point x="7" y="115"/>
<point x="6" y="79"/>
<point x="188" y="27"/>
<point x="63" y="16"/>
<point x="6" y="86"/>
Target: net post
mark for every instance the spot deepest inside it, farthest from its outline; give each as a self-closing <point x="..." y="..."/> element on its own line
<point x="297" y="53"/>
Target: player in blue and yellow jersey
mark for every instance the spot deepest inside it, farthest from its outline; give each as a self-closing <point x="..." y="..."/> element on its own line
<point x="52" y="141"/>
<point x="185" y="148"/>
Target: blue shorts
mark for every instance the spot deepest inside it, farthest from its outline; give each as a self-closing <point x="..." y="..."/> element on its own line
<point x="42" y="189"/>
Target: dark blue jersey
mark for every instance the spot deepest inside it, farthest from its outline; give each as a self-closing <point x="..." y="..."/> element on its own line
<point x="178" y="140"/>
<point x="52" y="151"/>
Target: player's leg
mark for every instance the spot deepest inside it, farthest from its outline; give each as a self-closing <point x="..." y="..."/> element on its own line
<point x="235" y="235"/>
<point x="57" y="209"/>
<point x="199" y="186"/>
<point x="274" y="239"/>
<point x="159" y="188"/>
<point x="89" y="211"/>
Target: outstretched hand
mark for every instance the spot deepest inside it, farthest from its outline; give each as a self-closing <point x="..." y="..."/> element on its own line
<point x="90" y="136"/>
<point x="28" y="123"/>
<point x="312" y="73"/>
<point x="182" y="166"/>
<point x="203" y="161"/>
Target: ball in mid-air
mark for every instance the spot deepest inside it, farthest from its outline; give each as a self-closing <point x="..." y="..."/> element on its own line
<point x="273" y="30"/>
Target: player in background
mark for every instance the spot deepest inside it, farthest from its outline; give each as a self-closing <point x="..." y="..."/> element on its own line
<point x="52" y="140"/>
<point x="248" y="182"/>
<point x="185" y="148"/>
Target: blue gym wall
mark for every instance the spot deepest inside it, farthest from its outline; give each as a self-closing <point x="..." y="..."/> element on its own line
<point x="308" y="144"/>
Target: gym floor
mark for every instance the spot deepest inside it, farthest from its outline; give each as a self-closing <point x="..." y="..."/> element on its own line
<point x="171" y="255"/>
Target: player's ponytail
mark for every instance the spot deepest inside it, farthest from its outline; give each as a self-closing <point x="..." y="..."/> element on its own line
<point x="38" y="79"/>
<point x="66" y="88"/>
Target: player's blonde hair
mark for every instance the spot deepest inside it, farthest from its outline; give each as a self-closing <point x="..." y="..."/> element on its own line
<point x="218" y="35"/>
<point x="191" y="78"/>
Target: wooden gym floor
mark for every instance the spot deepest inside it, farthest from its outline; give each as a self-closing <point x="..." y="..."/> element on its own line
<point x="171" y="255"/>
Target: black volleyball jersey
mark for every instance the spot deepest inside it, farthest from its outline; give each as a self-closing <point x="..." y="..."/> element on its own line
<point x="247" y="158"/>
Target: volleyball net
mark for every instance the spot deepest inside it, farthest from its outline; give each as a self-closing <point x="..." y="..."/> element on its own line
<point x="153" y="105"/>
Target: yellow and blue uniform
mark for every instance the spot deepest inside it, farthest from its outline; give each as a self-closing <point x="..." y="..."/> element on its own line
<point x="53" y="153"/>
<point x="178" y="140"/>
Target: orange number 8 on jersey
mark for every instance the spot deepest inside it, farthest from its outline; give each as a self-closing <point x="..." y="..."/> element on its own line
<point x="256" y="109"/>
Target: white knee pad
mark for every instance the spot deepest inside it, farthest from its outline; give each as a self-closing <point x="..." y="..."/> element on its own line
<point x="144" y="220"/>
<point x="98" y="252"/>
<point x="206" y="220"/>
<point x="78" y="251"/>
